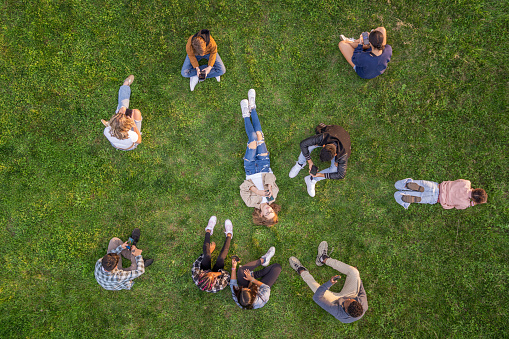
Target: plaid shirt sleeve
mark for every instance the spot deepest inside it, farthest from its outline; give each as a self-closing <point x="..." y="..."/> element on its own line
<point x="118" y="279"/>
<point x="117" y="250"/>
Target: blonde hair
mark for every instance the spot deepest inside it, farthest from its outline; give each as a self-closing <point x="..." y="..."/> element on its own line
<point x="259" y="219"/>
<point x="120" y="125"/>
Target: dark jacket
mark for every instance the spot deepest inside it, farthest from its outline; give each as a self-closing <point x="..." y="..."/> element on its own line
<point x="330" y="134"/>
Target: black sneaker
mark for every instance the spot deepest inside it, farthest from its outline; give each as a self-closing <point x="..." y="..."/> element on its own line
<point x="136" y="235"/>
<point x="148" y="262"/>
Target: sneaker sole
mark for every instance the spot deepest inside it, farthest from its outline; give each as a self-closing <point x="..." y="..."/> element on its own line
<point x="414" y="187"/>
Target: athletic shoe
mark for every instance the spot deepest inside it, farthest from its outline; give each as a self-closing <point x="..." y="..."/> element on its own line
<point x="251" y="96"/>
<point x="193" y="81"/>
<point x="267" y="256"/>
<point x="322" y="253"/>
<point x="218" y="78"/>
<point x="228" y="227"/>
<point x="211" y="224"/>
<point x="410" y="198"/>
<point x="135" y="235"/>
<point x="310" y="185"/>
<point x="148" y="262"/>
<point x="343" y="38"/>
<point x="245" y="110"/>
<point x="129" y="79"/>
<point x="296" y="169"/>
<point x="295" y="264"/>
<point x="414" y="187"/>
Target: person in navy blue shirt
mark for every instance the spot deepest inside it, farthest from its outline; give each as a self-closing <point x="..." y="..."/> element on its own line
<point x="368" y="61"/>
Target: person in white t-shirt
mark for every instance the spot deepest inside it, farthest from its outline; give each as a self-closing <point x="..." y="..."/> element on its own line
<point x="123" y="129"/>
<point x="259" y="190"/>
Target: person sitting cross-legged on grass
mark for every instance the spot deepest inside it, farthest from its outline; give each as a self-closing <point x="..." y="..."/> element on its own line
<point x="336" y="148"/>
<point x="215" y="279"/>
<point x="347" y="306"/>
<point x="109" y="272"/>
<point x="368" y="60"/>
<point x="259" y="190"/>
<point x="450" y="194"/>
<point x="202" y="46"/>
<point x="123" y="129"/>
<point x="253" y="293"/>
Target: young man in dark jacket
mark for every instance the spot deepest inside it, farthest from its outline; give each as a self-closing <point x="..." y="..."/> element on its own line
<point x="336" y="148"/>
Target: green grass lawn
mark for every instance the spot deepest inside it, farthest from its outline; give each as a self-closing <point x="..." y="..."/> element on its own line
<point x="439" y="113"/>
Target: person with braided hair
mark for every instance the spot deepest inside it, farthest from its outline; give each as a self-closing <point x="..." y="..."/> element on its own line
<point x="216" y="278"/>
<point x="123" y="129"/>
<point x="202" y="46"/>
<point x="368" y="60"/>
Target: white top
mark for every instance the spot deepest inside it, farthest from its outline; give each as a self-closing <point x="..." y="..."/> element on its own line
<point x="258" y="182"/>
<point x="124" y="144"/>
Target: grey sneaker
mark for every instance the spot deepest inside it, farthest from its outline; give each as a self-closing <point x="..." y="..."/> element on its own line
<point x="245" y="109"/>
<point x="211" y="224"/>
<point x="251" y="96"/>
<point x="295" y="264"/>
<point x="322" y="253"/>
<point x="267" y="256"/>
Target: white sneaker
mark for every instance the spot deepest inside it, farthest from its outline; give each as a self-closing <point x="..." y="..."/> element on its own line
<point x="228" y="227"/>
<point x="267" y="256"/>
<point x="218" y="78"/>
<point x="311" y="185"/>
<point x="193" y="82"/>
<point x="296" y="169"/>
<point x="246" y="113"/>
<point x="345" y="38"/>
<point x="251" y="96"/>
<point x="211" y="224"/>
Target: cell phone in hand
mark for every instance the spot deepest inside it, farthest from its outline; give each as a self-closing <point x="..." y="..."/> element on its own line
<point x="130" y="242"/>
<point x="201" y="76"/>
<point x="270" y="197"/>
<point x="336" y="278"/>
<point x="365" y="38"/>
<point x="313" y="170"/>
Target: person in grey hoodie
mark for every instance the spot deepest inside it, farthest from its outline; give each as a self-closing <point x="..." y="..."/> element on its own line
<point x="347" y="306"/>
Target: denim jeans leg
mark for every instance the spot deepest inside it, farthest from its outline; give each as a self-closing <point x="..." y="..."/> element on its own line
<point x="218" y="69"/>
<point x="332" y="169"/>
<point x="187" y="68"/>
<point x="302" y="160"/>
<point x="124" y="94"/>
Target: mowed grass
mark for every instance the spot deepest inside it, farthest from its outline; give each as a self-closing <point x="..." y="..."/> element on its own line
<point x="439" y="113"/>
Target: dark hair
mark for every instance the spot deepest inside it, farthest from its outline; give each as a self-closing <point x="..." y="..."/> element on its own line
<point x="376" y="38"/>
<point x="246" y="295"/>
<point x="206" y="280"/>
<point x="258" y="219"/>
<point x="354" y="309"/>
<point x="110" y="261"/>
<point x="327" y="153"/>
<point x="479" y="196"/>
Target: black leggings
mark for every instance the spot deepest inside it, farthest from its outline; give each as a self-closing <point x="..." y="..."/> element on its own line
<point x="268" y="275"/>
<point x="206" y="262"/>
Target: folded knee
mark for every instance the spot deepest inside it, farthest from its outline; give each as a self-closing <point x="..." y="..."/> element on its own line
<point x="252" y="145"/>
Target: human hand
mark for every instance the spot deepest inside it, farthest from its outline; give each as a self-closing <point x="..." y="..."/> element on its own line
<point x="234" y="264"/>
<point x="310" y="163"/>
<point x="124" y="245"/>
<point x="247" y="275"/>
<point x="207" y="70"/>
<point x="333" y="281"/>
<point x="122" y="110"/>
<point x="198" y="70"/>
<point x="137" y="252"/>
<point x="361" y="40"/>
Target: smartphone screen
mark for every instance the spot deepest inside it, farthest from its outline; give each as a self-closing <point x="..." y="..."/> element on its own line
<point x="313" y="170"/>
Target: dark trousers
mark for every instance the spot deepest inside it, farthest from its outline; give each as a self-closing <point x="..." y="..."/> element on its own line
<point x="268" y="275"/>
<point x="206" y="262"/>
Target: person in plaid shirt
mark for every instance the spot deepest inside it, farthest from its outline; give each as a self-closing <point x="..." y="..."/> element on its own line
<point x="216" y="279"/>
<point x="109" y="272"/>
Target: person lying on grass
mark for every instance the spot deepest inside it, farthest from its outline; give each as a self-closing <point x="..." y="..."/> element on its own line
<point x="215" y="279"/>
<point x="123" y="129"/>
<point x="450" y="194"/>
<point x="247" y="291"/>
<point x="259" y="190"/>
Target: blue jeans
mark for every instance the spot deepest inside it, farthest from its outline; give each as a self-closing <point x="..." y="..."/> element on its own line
<point x="332" y="169"/>
<point x="189" y="71"/>
<point x="429" y="196"/>
<point x="254" y="162"/>
<point x="124" y="95"/>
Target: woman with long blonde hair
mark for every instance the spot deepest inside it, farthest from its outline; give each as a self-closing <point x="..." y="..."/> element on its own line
<point x="123" y="129"/>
